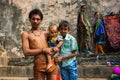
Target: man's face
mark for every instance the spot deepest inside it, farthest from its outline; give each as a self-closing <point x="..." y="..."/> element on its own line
<point x="35" y="21"/>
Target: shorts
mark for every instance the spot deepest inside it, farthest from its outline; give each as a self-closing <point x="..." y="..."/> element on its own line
<point x="69" y="72"/>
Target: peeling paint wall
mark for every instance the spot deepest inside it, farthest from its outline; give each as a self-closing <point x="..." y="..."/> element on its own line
<point x="14" y="15"/>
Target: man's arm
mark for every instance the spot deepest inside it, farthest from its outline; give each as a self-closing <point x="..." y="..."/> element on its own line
<point x="25" y="46"/>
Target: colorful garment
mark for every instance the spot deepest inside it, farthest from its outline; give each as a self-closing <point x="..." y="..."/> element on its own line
<point x="83" y="34"/>
<point x="115" y="77"/>
<point x="99" y="31"/>
<point x="53" y="41"/>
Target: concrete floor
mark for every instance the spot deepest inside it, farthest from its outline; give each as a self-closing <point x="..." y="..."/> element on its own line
<point x="26" y="78"/>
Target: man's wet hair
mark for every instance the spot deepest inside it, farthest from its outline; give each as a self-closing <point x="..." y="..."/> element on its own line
<point x="36" y="11"/>
<point x="64" y="23"/>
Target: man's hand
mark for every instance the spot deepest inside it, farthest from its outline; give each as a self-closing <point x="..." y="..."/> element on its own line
<point x="56" y="49"/>
<point x="47" y="50"/>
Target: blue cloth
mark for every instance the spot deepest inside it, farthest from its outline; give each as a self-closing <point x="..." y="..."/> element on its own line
<point x="69" y="45"/>
<point x="52" y="44"/>
<point x="99" y="27"/>
<point x="69" y="72"/>
<point x="53" y="41"/>
<point x="116" y="78"/>
<point x="99" y="39"/>
<point x="99" y="31"/>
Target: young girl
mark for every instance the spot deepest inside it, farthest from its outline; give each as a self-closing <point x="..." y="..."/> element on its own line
<point x="54" y="41"/>
<point x="98" y="33"/>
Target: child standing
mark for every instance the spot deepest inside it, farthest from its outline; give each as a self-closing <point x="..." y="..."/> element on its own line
<point x="54" y="41"/>
<point x="67" y="56"/>
<point x="98" y="33"/>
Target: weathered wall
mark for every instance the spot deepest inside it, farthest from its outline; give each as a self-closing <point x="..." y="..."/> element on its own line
<point x="14" y="16"/>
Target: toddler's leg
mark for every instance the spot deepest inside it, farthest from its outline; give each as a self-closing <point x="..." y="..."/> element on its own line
<point x="49" y="62"/>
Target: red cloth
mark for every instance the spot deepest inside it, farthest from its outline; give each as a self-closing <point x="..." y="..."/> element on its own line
<point x="58" y="77"/>
<point x="112" y="26"/>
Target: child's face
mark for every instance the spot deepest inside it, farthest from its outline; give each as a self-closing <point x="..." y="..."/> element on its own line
<point x="63" y="30"/>
<point x="53" y="32"/>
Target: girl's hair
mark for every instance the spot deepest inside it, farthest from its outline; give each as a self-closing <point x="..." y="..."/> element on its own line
<point x="82" y="6"/>
<point x="64" y="23"/>
<point x="96" y="13"/>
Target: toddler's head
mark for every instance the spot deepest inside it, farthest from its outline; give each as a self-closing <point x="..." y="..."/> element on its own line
<point x="53" y="30"/>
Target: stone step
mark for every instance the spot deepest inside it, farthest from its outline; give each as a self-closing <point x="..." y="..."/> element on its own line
<point x="14" y="78"/>
<point x="23" y="61"/>
<point x="88" y="67"/>
<point x="4" y="61"/>
<point x="82" y="59"/>
<point x="16" y="71"/>
<point x="92" y="78"/>
<point x="84" y="71"/>
<point x="101" y="60"/>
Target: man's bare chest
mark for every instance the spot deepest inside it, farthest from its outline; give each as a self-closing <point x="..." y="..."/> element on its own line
<point x="37" y="41"/>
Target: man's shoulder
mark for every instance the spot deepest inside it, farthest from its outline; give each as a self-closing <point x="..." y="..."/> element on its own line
<point x="25" y="33"/>
<point x="45" y="33"/>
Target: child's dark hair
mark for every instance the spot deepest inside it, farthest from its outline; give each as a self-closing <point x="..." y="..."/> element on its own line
<point x="36" y="11"/>
<point x="64" y="23"/>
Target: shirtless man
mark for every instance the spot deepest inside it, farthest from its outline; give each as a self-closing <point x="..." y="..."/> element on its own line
<point x="34" y="43"/>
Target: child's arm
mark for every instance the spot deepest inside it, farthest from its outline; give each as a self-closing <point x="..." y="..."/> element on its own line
<point x="61" y="58"/>
<point x="56" y="48"/>
<point x="74" y="53"/>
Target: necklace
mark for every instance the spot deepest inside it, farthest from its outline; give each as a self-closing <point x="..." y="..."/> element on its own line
<point x="37" y="35"/>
